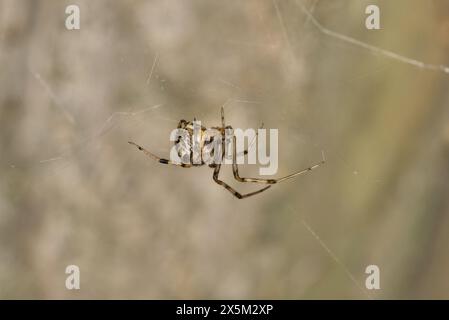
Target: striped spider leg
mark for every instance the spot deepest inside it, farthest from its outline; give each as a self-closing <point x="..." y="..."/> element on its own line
<point x="235" y="170"/>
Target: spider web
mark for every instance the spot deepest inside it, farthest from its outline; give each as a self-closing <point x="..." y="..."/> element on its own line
<point x="176" y="90"/>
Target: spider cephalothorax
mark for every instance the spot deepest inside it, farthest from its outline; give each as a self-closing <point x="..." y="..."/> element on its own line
<point x="197" y="136"/>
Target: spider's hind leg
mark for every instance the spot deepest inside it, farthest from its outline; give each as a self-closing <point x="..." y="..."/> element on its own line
<point x="235" y="170"/>
<point x="232" y="190"/>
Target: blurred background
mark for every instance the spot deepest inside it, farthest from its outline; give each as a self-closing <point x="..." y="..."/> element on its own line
<point x="72" y="191"/>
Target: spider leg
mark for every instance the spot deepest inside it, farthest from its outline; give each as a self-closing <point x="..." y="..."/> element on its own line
<point x="245" y="152"/>
<point x="232" y="190"/>
<point x="223" y="125"/>
<point x="222" y="117"/>
<point x="235" y="170"/>
<point x="158" y="159"/>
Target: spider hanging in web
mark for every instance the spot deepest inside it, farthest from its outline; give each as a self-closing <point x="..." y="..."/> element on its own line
<point x="189" y="127"/>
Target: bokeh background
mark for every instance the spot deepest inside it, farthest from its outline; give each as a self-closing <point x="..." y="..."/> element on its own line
<point x="72" y="191"/>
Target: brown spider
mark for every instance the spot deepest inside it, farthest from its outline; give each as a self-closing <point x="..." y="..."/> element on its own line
<point x="188" y="125"/>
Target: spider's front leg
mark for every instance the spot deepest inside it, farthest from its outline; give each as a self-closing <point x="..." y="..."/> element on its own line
<point x="245" y="152"/>
<point x="158" y="159"/>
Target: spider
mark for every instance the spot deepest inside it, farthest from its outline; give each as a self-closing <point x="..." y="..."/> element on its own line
<point x="188" y="125"/>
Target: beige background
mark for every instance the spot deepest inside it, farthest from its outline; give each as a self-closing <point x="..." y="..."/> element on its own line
<point x="72" y="191"/>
